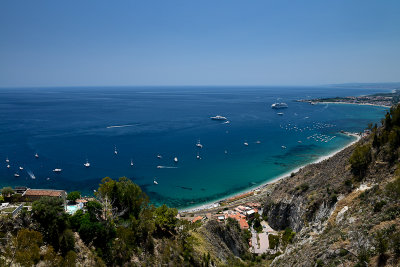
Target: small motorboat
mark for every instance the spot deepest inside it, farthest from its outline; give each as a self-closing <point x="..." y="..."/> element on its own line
<point x="87" y="164"/>
<point x="57" y="170"/>
<point x="36" y="155"/>
<point x="245" y="143"/>
<point x="159" y="156"/>
<point x="16" y="175"/>
<point x="131" y="163"/>
<point x="154" y="181"/>
<point x="8" y="166"/>
<point x="176" y="160"/>
<point x="21" y="168"/>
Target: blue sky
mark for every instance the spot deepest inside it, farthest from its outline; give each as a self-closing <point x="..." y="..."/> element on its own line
<point x="185" y="42"/>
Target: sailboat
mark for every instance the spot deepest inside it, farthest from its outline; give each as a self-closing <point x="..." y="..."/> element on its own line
<point x="7" y="160"/>
<point x="36" y="155"/>
<point x="176" y="160"/>
<point x="154" y="181"/>
<point x="198" y="156"/>
<point x="115" y="150"/>
<point x="131" y="163"/>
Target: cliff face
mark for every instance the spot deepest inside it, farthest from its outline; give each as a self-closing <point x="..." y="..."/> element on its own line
<point x="224" y="242"/>
<point x="309" y="195"/>
<point x="339" y="219"/>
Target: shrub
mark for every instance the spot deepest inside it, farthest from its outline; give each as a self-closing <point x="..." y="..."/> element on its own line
<point x="273" y="241"/>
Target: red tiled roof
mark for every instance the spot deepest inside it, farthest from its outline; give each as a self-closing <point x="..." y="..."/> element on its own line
<point x="44" y="192"/>
<point x="197" y="218"/>
<point x="243" y="224"/>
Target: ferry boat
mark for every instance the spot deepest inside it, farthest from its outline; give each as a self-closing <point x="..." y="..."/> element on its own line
<point x="279" y="105"/>
<point x="57" y="170"/>
<point x="218" y="118"/>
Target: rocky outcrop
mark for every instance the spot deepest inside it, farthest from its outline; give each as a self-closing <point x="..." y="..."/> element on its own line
<point x="224" y="241"/>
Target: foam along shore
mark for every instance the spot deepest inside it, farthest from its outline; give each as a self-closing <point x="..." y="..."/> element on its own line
<point x="216" y="203"/>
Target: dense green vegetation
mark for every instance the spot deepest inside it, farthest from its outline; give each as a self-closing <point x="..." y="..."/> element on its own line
<point x="119" y="224"/>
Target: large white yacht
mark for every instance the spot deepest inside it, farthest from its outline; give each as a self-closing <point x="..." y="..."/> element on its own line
<point x="218" y="118"/>
<point x="279" y="105"/>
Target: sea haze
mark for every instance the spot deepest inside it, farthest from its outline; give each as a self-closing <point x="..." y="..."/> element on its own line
<point x="67" y="126"/>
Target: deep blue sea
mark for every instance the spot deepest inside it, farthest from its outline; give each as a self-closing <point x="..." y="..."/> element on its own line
<point x="66" y="126"/>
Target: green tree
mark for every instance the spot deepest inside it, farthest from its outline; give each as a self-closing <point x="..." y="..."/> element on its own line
<point x="49" y="213"/>
<point x="121" y="198"/>
<point x="7" y="192"/>
<point x="360" y="160"/>
<point x="73" y="196"/>
<point x="165" y="218"/>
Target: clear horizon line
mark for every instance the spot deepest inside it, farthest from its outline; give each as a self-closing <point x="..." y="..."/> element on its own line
<point x="203" y="85"/>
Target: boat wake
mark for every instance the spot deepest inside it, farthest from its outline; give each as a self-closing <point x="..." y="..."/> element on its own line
<point x="119" y="126"/>
<point x="30" y="173"/>
<point x="166" y="167"/>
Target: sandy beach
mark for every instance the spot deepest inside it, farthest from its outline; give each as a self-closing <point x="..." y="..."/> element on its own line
<point x="215" y="204"/>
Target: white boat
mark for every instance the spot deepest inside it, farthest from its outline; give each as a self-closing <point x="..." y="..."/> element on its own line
<point x="245" y="143"/>
<point x="176" y="160"/>
<point x="159" y="167"/>
<point x="258" y="142"/>
<point x="8" y="166"/>
<point x="198" y="156"/>
<point x="279" y="105"/>
<point x="198" y="144"/>
<point x="154" y="181"/>
<point x="218" y="118"/>
<point x="36" y="155"/>
<point x="57" y="170"/>
<point x="7" y="160"/>
<point x="226" y="151"/>
<point x="279" y="113"/>
<point x="159" y="156"/>
<point x="48" y="178"/>
<point x="131" y="163"/>
<point x="16" y="175"/>
<point x="87" y="164"/>
<point x="115" y="150"/>
<point x="283" y="147"/>
<point x="21" y="168"/>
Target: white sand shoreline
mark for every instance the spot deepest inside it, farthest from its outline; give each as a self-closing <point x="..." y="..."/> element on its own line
<point x="214" y="204"/>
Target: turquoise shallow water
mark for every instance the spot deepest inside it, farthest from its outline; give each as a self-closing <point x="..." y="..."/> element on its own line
<point x="66" y="126"/>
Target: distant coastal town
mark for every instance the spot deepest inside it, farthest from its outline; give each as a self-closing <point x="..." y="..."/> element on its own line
<point x="379" y="99"/>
